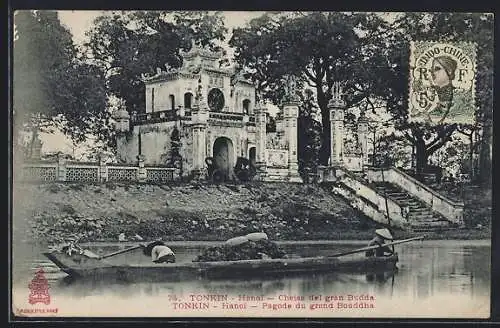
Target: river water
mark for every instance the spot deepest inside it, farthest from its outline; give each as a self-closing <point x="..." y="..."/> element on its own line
<point x="435" y="279"/>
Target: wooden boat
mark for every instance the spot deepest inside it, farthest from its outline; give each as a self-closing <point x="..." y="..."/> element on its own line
<point x="78" y="265"/>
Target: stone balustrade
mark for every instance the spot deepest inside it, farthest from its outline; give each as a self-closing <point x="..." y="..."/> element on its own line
<point x="71" y="171"/>
<point x="368" y="200"/>
<point x="154" y="117"/>
<point x="171" y="115"/>
<point x="450" y="209"/>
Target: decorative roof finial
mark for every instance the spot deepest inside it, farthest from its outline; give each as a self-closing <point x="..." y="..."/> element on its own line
<point x="336" y="100"/>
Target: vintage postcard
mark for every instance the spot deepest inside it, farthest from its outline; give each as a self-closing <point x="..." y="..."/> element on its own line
<point x="251" y="164"/>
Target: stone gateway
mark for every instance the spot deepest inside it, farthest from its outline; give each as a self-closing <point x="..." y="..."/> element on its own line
<point x="204" y="120"/>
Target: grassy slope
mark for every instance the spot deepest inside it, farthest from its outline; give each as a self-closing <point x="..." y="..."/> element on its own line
<point x="56" y="212"/>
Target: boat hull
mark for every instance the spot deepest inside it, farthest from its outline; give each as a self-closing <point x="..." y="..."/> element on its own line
<point x="81" y="266"/>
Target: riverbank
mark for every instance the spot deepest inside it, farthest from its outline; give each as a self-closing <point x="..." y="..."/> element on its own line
<point x="54" y="213"/>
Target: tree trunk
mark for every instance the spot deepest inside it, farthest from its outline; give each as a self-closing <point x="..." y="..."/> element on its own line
<point x="421" y="155"/>
<point x="324" y="153"/>
<point x="485" y="157"/>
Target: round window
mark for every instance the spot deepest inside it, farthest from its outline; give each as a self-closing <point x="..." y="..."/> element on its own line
<point x="215" y="100"/>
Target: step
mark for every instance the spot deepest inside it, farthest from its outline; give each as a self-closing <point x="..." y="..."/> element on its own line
<point x="429" y="223"/>
<point x="426" y="213"/>
<point x="399" y="196"/>
<point x="431" y="230"/>
<point x="397" y="193"/>
<point x="415" y="206"/>
<point x="420" y="207"/>
<point x="415" y="203"/>
<point x="421" y="212"/>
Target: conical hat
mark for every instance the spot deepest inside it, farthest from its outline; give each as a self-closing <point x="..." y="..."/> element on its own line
<point x="384" y="233"/>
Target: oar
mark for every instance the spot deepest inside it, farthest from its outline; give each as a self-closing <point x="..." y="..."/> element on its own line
<point x="375" y="247"/>
<point x="121" y="251"/>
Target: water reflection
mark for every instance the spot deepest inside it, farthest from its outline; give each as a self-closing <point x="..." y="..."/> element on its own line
<point x="425" y="271"/>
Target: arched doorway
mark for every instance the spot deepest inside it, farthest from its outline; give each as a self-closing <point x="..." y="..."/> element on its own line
<point x="246" y="106"/>
<point x="224" y="156"/>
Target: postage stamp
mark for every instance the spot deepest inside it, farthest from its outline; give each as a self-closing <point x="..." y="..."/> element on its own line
<point x="442" y="82"/>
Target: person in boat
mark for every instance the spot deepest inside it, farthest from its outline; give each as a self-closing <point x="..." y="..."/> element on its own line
<point x="381" y="236"/>
<point x="159" y="252"/>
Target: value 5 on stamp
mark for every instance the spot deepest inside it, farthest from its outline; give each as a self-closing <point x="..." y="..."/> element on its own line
<point x="442" y="82"/>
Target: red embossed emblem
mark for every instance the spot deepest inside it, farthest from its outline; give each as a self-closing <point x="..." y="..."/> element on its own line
<point x="39" y="289"/>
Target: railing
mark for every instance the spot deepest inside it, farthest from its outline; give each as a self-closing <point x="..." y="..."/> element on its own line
<point x="154" y="117"/>
<point x="94" y="172"/>
<point x="226" y="116"/>
<point x="368" y="200"/>
<point x="164" y="76"/>
<point x="41" y="171"/>
<point x="450" y="209"/>
<point x="171" y="115"/>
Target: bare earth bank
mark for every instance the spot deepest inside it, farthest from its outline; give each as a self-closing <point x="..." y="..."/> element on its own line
<point x="59" y="212"/>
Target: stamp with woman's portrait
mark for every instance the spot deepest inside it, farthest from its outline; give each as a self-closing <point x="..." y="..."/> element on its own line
<point x="442" y="82"/>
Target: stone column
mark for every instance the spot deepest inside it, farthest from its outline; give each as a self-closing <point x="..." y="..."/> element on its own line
<point x="260" y="142"/>
<point x="36" y="151"/>
<point x="61" y="168"/>
<point x="199" y="120"/>
<point x="336" y="107"/>
<point x="363" y="137"/>
<point x="103" y="169"/>
<point x="142" y="174"/>
<point x="290" y="115"/>
<point x="122" y="127"/>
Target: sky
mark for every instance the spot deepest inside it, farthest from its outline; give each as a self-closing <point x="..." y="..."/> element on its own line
<point x="80" y="21"/>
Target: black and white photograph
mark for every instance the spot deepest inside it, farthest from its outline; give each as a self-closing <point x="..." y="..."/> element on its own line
<point x="251" y="164"/>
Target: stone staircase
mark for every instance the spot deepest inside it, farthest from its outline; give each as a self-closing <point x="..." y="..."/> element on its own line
<point x="421" y="217"/>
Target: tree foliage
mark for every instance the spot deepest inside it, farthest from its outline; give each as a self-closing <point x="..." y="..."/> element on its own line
<point x="369" y="54"/>
<point x="132" y="44"/>
<point x="309" y="135"/>
<point x="52" y="86"/>
<point x="319" y="49"/>
<point x="449" y="27"/>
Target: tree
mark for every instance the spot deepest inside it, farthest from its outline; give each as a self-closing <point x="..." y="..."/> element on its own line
<point x="392" y="150"/>
<point x="129" y="45"/>
<point x="370" y="55"/>
<point x="309" y="134"/>
<point x="319" y="49"/>
<point x="446" y="27"/>
<point x="378" y="134"/>
<point x="52" y="87"/>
